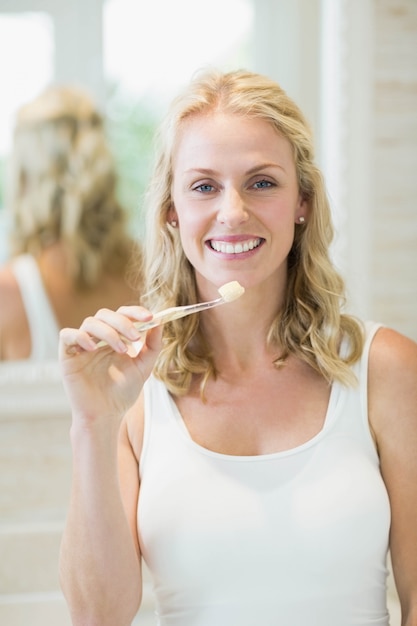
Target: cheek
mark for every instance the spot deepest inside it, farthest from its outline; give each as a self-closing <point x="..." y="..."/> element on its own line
<point x="193" y="231"/>
<point x="284" y="212"/>
<point x="193" y="220"/>
<point x="192" y="239"/>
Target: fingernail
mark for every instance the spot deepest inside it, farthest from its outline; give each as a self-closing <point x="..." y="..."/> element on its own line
<point x="134" y="334"/>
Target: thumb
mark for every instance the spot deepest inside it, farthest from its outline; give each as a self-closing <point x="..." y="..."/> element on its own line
<point x="154" y="339"/>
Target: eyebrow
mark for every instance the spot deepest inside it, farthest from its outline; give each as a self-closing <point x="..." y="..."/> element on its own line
<point x="252" y="170"/>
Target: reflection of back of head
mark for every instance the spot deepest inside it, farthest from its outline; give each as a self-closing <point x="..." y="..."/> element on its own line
<point x="63" y="185"/>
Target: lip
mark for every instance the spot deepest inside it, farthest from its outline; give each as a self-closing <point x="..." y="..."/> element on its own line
<point x="235" y="245"/>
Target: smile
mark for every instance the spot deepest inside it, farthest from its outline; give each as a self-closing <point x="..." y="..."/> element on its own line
<point x="227" y="247"/>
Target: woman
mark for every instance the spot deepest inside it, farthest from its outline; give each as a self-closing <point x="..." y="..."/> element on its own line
<point x="70" y="247"/>
<point x="260" y="456"/>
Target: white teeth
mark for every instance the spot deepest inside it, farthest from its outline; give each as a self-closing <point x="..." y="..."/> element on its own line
<point x="238" y="248"/>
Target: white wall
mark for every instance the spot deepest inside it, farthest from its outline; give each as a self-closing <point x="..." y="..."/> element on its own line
<point x="393" y="215"/>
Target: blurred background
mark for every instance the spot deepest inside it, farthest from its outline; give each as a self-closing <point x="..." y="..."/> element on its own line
<point x="350" y="64"/>
<point x="352" y="67"/>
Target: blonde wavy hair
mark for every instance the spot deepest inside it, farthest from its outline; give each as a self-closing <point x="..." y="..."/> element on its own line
<point x="62" y="185"/>
<point x="311" y="324"/>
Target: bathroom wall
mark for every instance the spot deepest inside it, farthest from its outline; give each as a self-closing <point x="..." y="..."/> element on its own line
<point x="394" y="210"/>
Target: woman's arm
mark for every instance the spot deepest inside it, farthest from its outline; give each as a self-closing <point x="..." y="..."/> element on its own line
<point x="393" y="416"/>
<point x="100" y="562"/>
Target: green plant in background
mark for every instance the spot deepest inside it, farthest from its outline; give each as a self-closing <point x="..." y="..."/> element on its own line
<point x="131" y="126"/>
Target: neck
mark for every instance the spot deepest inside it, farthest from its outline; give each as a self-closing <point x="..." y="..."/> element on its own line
<point x="237" y="332"/>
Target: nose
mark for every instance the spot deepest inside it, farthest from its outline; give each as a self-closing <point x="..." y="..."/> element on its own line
<point x="232" y="210"/>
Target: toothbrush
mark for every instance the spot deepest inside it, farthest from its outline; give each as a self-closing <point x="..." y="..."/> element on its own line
<point x="228" y="292"/>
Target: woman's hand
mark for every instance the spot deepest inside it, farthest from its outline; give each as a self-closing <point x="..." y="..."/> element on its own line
<point x="103" y="382"/>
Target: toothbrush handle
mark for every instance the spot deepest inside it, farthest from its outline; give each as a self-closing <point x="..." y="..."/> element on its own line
<point x="162" y="317"/>
<point x="175" y="313"/>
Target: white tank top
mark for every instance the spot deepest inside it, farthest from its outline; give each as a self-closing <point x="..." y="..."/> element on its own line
<point x="295" y="538"/>
<point x="43" y="326"/>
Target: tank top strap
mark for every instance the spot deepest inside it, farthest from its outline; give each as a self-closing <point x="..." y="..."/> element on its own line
<point x="42" y="322"/>
<point x="354" y="418"/>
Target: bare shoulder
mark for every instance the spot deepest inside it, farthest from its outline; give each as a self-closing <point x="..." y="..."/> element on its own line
<point x="392" y="359"/>
<point x="392" y="385"/>
<point x="11" y="301"/>
<point x="15" y="341"/>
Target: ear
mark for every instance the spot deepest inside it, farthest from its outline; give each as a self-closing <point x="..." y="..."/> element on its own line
<point x="302" y="212"/>
<point x="172" y="216"/>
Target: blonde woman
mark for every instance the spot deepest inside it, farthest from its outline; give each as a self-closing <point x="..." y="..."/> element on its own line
<point x="70" y="248"/>
<point x="260" y="457"/>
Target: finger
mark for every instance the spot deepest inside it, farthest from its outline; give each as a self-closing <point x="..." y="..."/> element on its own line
<point x="73" y="341"/>
<point x="137" y="313"/>
<point x="120" y="320"/>
<point x="154" y="339"/>
<point x="91" y="333"/>
<point x="111" y="333"/>
<point x="151" y="342"/>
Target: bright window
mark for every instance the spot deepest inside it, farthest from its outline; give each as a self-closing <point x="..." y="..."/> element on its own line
<point x="26" y="67"/>
<point x="153" y="47"/>
<point x="26" y="61"/>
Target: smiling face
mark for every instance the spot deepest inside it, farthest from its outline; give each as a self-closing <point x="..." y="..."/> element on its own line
<point x="236" y="199"/>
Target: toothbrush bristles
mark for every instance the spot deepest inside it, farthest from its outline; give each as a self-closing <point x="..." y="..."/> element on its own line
<point x="231" y="291"/>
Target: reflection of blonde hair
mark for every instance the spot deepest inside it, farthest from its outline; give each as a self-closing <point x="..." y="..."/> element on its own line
<point x="311" y="324"/>
<point x="62" y="184"/>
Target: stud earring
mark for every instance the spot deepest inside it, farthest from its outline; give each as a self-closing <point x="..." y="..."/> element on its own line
<point x="301" y="219"/>
<point x="174" y="223"/>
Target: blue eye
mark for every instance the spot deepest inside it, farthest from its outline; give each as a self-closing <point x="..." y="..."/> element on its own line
<point x="262" y="184"/>
<point x="204" y="188"/>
